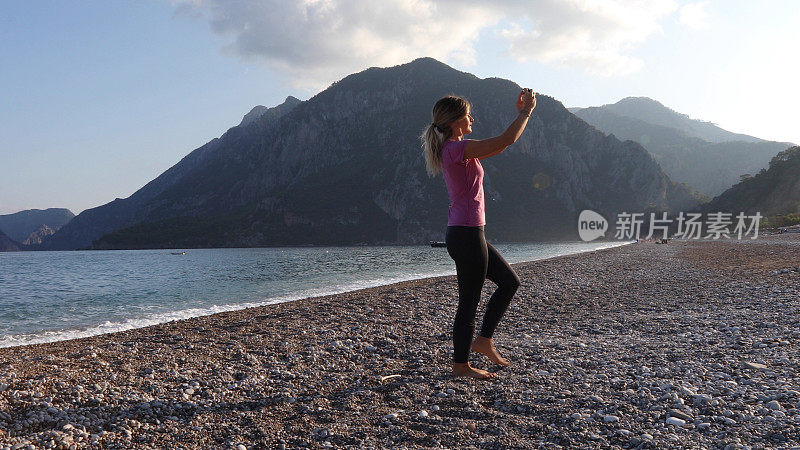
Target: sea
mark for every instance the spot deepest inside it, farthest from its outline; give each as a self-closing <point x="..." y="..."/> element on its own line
<point x="53" y="296"/>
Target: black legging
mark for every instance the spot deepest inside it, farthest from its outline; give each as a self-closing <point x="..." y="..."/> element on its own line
<point x="477" y="260"/>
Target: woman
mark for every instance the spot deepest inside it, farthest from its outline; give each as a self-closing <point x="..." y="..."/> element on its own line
<point x="446" y="150"/>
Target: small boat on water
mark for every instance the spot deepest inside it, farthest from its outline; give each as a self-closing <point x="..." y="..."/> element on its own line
<point x="438" y="244"/>
<point x="177" y="253"/>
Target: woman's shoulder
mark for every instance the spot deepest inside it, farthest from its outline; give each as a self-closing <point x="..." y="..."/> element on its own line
<point x="452" y="152"/>
<point x="450" y="142"/>
<point x="455" y="145"/>
<point x="455" y="149"/>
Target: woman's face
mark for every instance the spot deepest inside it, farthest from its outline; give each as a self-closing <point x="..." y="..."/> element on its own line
<point x="463" y="125"/>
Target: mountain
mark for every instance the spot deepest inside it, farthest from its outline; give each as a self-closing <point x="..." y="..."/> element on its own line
<point x="690" y="151"/>
<point x="773" y="191"/>
<point x="20" y="225"/>
<point x="7" y="244"/>
<point x="345" y="167"/>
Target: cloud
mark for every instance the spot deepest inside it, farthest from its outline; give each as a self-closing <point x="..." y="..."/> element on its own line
<point x="316" y="42"/>
<point x="594" y="35"/>
<point x="694" y="15"/>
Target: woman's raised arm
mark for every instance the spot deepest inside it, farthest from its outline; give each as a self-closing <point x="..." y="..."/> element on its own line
<point x="485" y="148"/>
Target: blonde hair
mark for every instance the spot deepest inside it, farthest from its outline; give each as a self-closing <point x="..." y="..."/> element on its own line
<point x="446" y="111"/>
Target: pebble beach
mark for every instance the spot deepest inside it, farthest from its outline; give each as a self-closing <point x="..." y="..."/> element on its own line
<point x="690" y="344"/>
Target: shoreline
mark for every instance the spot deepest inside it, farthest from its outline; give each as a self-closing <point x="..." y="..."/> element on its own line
<point x="646" y="345"/>
<point x="491" y="241"/>
<point x="50" y="336"/>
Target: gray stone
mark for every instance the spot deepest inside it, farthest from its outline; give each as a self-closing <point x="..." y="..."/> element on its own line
<point x="774" y="405"/>
<point x="679" y="414"/>
<point x="675" y="421"/>
<point x="754" y="365"/>
<point x="702" y="400"/>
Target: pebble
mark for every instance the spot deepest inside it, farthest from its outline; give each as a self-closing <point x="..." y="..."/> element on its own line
<point x="687" y="391"/>
<point x="754" y="365"/>
<point x="679" y="414"/>
<point x="702" y="400"/>
<point x="774" y="405"/>
<point x="675" y="421"/>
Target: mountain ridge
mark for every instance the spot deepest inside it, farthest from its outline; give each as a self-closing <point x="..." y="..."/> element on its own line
<point x="19" y="225"/>
<point x="654" y="112"/>
<point x="258" y="111"/>
<point x="710" y="167"/>
<point x="345" y="167"/>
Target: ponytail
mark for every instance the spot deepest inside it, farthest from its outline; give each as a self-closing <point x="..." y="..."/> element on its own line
<point x="432" y="143"/>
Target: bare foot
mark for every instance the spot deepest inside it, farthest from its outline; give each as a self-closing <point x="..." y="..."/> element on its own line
<point x="486" y="346"/>
<point x="465" y="370"/>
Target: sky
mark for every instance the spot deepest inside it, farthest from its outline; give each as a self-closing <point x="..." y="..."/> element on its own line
<point x="97" y="98"/>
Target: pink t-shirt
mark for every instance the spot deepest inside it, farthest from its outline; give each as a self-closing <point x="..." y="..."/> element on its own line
<point x="464" y="180"/>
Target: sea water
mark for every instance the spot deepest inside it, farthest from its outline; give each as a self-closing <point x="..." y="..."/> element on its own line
<point x="51" y="296"/>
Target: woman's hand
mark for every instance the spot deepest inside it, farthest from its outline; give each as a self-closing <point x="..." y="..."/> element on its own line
<point x="487" y="147"/>
<point x="526" y="101"/>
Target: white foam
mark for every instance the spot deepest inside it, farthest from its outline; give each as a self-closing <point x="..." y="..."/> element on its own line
<point x="159" y="318"/>
<point x="164" y="317"/>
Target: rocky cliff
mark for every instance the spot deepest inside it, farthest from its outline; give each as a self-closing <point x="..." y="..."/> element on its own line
<point x="36" y="237"/>
<point x="345" y="167"/>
